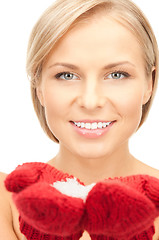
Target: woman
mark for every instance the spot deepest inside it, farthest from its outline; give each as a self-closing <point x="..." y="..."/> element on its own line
<point x="93" y="67"/>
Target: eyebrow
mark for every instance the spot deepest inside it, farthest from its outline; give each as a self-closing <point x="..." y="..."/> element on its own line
<point x="111" y="65"/>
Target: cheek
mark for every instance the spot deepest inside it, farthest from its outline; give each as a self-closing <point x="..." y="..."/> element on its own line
<point x="56" y="104"/>
<point x="129" y="105"/>
<point x="53" y="106"/>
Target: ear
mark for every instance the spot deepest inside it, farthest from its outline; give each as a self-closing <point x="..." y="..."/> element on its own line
<point x="149" y="86"/>
<point x="40" y="95"/>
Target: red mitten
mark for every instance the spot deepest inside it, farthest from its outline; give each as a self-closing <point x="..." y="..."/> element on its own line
<point x="145" y="184"/>
<point x="45" y="213"/>
<point x="29" y="173"/>
<point x="24" y="176"/>
<point x="122" y="208"/>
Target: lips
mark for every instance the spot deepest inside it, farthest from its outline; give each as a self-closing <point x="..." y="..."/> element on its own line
<point x="88" y="132"/>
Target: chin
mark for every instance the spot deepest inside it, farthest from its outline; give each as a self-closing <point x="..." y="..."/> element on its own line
<point x="93" y="153"/>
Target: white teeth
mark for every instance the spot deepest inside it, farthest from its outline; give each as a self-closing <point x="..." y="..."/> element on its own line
<point x="78" y="124"/>
<point x="88" y="125"/>
<point x="82" y="125"/>
<point x="93" y="125"/>
<point x="100" y="125"/>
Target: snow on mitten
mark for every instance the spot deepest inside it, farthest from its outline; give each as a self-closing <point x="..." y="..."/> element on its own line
<point x="121" y="208"/>
<point x="45" y="212"/>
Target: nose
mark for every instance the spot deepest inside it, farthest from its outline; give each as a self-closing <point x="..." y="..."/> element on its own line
<point x="91" y="95"/>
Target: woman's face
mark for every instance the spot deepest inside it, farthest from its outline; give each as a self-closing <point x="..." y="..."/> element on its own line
<point x="95" y="74"/>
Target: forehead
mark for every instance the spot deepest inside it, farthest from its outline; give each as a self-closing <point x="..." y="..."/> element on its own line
<point x="102" y="38"/>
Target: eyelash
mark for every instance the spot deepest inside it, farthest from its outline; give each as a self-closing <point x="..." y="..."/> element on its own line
<point x="125" y="74"/>
<point x="57" y="76"/>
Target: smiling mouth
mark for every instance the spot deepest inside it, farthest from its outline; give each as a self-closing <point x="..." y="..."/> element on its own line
<point x="93" y="125"/>
<point x="92" y="129"/>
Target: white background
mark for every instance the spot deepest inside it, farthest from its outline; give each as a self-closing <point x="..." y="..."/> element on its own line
<point x="21" y="137"/>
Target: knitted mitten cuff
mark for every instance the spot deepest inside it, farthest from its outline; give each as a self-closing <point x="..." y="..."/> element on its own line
<point x="148" y="234"/>
<point x="32" y="234"/>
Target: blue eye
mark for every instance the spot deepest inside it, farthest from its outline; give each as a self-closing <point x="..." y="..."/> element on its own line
<point x="66" y="76"/>
<point x="118" y="75"/>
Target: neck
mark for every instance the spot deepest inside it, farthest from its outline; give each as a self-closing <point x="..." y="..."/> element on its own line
<point x="87" y="170"/>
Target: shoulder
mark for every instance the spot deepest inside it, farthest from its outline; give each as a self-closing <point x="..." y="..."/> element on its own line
<point x="142" y="168"/>
<point x="3" y="195"/>
<point x="8" y="213"/>
<point x="153" y="172"/>
<point x="4" y="199"/>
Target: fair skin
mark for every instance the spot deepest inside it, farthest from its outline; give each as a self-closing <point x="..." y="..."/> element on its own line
<point x="93" y="92"/>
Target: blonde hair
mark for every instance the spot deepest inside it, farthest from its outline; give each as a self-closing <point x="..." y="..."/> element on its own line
<point x="60" y="17"/>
